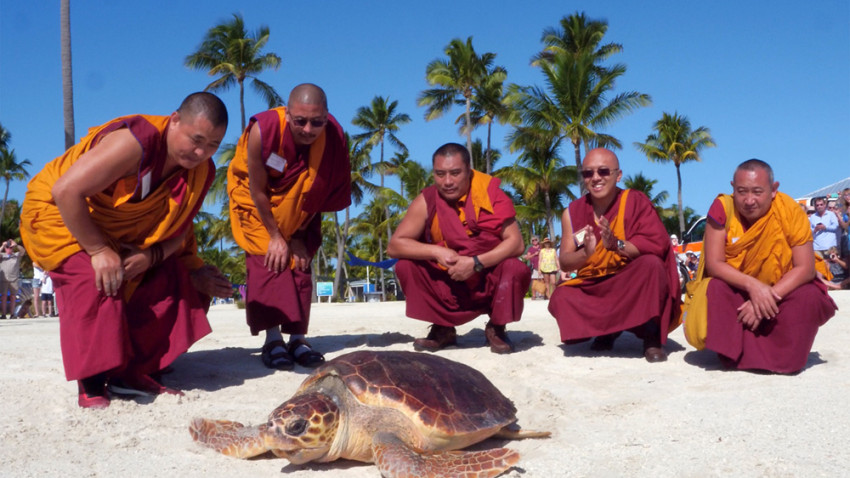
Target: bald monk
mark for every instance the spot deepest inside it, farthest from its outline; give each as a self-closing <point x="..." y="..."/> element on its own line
<point x="458" y="246"/>
<point x="627" y="278"/>
<point x="291" y="164"/>
<point x="111" y="220"/>
<point x="756" y="300"/>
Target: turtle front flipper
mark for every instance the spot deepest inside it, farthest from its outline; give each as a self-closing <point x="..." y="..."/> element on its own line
<point x="229" y="438"/>
<point x="395" y="459"/>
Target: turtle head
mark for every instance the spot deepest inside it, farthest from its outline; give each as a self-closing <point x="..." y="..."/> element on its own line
<point x="302" y="428"/>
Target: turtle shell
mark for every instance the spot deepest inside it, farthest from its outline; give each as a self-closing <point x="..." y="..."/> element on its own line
<point x="439" y="393"/>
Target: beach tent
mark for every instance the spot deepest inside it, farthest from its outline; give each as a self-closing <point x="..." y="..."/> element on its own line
<point x="830" y="191"/>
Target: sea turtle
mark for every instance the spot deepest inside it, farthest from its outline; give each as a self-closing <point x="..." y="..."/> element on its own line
<point x="407" y="412"/>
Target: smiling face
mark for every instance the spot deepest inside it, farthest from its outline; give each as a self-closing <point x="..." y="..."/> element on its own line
<point x="752" y="193"/>
<point x="452" y="176"/>
<point x="600" y="171"/>
<point x="192" y="139"/>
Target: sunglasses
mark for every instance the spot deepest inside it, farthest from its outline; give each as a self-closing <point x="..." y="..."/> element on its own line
<point x="603" y="172"/>
<point x="314" y="122"/>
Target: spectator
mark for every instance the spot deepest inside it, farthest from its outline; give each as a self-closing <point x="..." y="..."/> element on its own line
<point x="825" y="227"/>
<point x="837" y="267"/>
<point x="47" y="296"/>
<point x="37" y="275"/>
<point x="10" y="275"/>
<point x="533" y="258"/>
<point x="843" y="214"/>
<point x="549" y="266"/>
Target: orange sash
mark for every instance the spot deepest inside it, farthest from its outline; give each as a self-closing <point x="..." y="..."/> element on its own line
<point x="604" y="262"/>
<point x="287" y="206"/>
<point x="164" y="213"/>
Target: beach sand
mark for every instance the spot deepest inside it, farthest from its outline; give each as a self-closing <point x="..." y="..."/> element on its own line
<point x="610" y="414"/>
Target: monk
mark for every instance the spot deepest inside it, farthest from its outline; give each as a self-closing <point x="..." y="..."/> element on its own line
<point x="291" y="164"/>
<point x="756" y="301"/>
<point x="627" y="277"/>
<point x="458" y="246"/>
<point x="111" y="222"/>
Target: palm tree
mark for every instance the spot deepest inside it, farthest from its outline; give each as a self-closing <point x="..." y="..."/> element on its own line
<point x="380" y="123"/>
<point x="479" y="156"/>
<point x="643" y="184"/>
<point x="233" y="54"/>
<point x="67" y="77"/>
<point x="456" y="80"/>
<point x="489" y="104"/>
<point x="579" y="99"/>
<point x="11" y="170"/>
<point x="539" y="173"/>
<point x="5" y="138"/>
<point x="674" y="141"/>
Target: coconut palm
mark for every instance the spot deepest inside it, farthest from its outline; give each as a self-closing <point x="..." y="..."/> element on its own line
<point x="67" y="77"/>
<point x="456" y="80"/>
<point x="643" y="184"/>
<point x="489" y="104"/>
<point x="540" y="173"/>
<point x="577" y="34"/>
<point x="11" y="170"/>
<point x="5" y="138"/>
<point x="478" y="155"/>
<point x="218" y="189"/>
<point x="380" y="123"/>
<point x="232" y="54"/>
<point x="674" y="141"/>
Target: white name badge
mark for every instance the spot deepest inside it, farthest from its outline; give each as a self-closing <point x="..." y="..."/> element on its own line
<point x="276" y="162"/>
<point x="146" y="184"/>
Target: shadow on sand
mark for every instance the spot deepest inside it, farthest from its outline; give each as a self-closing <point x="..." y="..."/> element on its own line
<point x="626" y="346"/>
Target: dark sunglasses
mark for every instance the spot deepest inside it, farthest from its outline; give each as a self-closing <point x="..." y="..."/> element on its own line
<point x="603" y="172"/>
<point x="314" y="122"/>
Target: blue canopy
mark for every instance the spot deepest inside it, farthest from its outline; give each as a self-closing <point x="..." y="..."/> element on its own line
<point x="356" y="261"/>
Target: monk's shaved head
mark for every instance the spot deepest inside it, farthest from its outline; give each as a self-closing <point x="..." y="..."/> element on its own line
<point x="605" y="155"/>
<point x="308" y="94"/>
<point x="752" y="165"/>
<point x="206" y="105"/>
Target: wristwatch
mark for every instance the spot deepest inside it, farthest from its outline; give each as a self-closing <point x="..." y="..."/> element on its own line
<point x="621" y="244"/>
<point x="478" y="265"/>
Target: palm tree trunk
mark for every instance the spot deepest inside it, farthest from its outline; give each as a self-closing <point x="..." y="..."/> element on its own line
<point x="387" y="218"/>
<point x="681" y="212"/>
<point x="487" y="154"/>
<point x="340" y="251"/>
<point x="468" y="125"/>
<point x="67" y="77"/>
<point x="577" y="146"/>
<point x="242" y="105"/>
<point x="550" y="222"/>
<point x="3" y="206"/>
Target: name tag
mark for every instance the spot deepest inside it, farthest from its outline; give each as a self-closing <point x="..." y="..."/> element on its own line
<point x="276" y="162"/>
<point x="146" y="184"/>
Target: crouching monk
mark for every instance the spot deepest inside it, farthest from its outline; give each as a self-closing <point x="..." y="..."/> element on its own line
<point x="458" y="246"/>
<point x="756" y="301"/>
<point x="111" y="220"/>
<point x="627" y="277"/>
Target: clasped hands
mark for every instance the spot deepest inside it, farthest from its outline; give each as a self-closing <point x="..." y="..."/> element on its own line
<point x="762" y="304"/>
<point x="279" y="253"/>
<point x="459" y="267"/>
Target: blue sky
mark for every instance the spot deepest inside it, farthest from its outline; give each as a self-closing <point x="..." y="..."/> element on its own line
<point x="770" y="79"/>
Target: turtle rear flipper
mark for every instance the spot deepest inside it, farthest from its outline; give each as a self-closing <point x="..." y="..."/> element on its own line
<point x="227" y="437"/>
<point x="397" y="460"/>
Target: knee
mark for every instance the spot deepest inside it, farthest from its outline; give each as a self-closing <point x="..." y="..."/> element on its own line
<point x="514" y="268"/>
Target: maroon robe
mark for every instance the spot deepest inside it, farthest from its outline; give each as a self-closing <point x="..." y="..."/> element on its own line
<point x="431" y="295"/>
<point x="645" y="289"/>
<point x="161" y="320"/>
<point x="781" y="344"/>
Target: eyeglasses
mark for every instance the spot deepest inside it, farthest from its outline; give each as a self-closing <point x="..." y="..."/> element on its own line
<point x="603" y="172"/>
<point x="314" y="122"/>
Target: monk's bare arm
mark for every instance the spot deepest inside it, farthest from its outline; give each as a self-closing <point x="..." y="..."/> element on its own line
<point x="512" y="245"/>
<point x="802" y="271"/>
<point x="116" y="156"/>
<point x="762" y="296"/>
<point x="572" y="258"/>
<point x="405" y="243"/>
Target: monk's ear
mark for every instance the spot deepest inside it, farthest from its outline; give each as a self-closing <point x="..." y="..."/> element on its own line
<point x="774" y="189"/>
<point x="175" y="117"/>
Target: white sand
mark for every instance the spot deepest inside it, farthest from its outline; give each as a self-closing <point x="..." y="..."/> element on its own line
<point x="612" y="414"/>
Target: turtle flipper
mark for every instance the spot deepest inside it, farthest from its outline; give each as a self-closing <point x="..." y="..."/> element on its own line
<point x="229" y="438"/>
<point x="397" y="460"/>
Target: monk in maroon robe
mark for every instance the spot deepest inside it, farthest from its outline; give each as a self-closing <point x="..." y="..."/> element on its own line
<point x="458" y="246"/>
<point x="627" y="278"/>
<point x="756" y="300"/>
<point x="291" y="164"/>
<point x="111" y="220"/>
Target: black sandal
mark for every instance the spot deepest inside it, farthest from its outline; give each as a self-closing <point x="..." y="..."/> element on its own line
<point x="278" y="361"/>
<point x="308" y="358"/>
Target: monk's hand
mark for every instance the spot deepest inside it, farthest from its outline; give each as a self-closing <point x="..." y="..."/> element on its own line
<point x="463" y="269"/>
<point x="277" y="256"/>
<point x="747" y="316"/>
<point x="589" y="243"/>
<point x="299" y="254"/>
<point x="764" y="299"/>
<point x="136" y="261"/>
<point x="446" y="257"/>
<point x="108" y="271"/>
<point x="209" y="281"/>
<point x="609" y="241"/>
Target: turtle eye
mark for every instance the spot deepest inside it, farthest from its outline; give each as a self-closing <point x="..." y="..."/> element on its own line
<point x="296" y="428"/>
